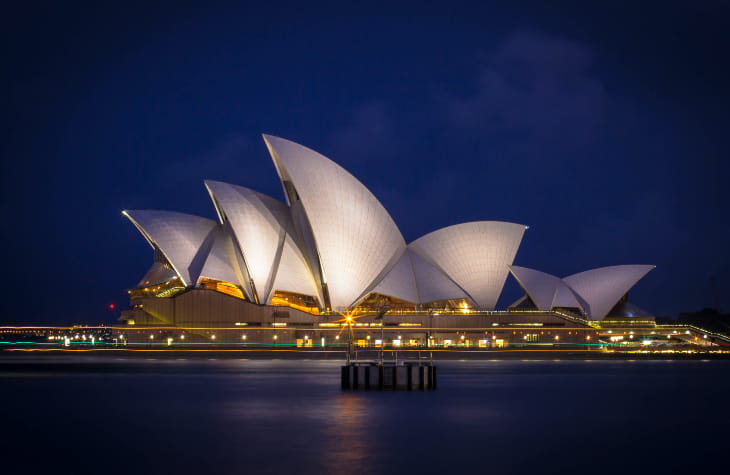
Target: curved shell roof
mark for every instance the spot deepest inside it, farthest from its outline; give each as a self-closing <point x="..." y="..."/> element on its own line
<point x="474" y="255"/>
<point x="602" y="288"/>
<point x="415" y="280"/>
<point x="259" y="224"/>
<point x="432" y="283"/>
<point x="400" y="282"/>
<point x="539" y="286"/>
<point x="546" y="290"/>
<point x="292" y="273"/>
<point x="184" y="239"/>
<point x="356" y="239"/>
<point x="567" y="297"/>
<point x="157" y="274"/>
<point x="219" y="264"/>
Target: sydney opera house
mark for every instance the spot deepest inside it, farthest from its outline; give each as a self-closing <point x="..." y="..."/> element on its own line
<point x="331" y="255"/>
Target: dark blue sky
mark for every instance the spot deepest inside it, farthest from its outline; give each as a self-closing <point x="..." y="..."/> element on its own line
<point x="601" y="125"/>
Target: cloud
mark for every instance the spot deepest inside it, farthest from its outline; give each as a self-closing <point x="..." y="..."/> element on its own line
<point x="633" y="232"/>
<point x="228" y="158"/>
<point x="178" y="184"/>
<point x="368" y="136"/>
<point x="535" y="90"/>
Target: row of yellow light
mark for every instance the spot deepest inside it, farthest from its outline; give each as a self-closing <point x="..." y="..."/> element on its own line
<point x="368" y="337"/>
<point x="75" y="337"/>
<point x="557" y="337"/>
<point x="674" y="332"/>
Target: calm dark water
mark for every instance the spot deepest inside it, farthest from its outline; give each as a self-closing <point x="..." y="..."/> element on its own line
<point x="241" y="416"/>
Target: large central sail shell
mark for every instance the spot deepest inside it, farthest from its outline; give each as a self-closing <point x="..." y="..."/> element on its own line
<point x="355" y="240"/>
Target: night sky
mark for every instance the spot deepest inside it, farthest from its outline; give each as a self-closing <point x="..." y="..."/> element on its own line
<point x="601" y="125"/>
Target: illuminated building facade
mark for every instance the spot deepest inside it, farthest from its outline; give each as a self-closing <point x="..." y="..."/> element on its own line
<point x="333" y="249"/>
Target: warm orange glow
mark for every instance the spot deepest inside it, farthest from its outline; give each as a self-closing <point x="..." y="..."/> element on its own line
<point x="165" y="289"/>
<point x="295" y="301"/>
<point x="223" y="287"/>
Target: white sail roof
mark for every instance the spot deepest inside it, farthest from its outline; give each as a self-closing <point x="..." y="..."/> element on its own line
<point x="356" y="239"/>
<point x="400" y="282"/>
<point x="567" y="297"/>
<point x="220" y="262"/>
<point x="415" y="280"/>
<point x="432" y="283"/>
<point x="184" y="239"/>
<point x="546" y="290"/>
<point x="259" y="225"/>
<point x="474" y="255"/>
<point x="539" y="286"/>
<point x="602" y="288"/>
<point x="157" y="274"/>
<point x="292" y="274"/>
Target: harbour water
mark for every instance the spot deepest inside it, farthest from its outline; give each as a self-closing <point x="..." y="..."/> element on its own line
<point x="207" y="415"/>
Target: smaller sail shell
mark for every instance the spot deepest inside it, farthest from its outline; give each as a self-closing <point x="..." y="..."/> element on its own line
<point x="184" y="239"/>
<point x="474" y="255"/>
<point x="602" y="288"/>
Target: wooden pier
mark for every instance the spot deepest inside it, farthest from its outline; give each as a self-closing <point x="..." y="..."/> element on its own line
<point x="389" y="374"/>
<point x="385" y="376"/>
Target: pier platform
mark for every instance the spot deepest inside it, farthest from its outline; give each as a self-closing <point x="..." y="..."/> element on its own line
<point x="384" y="376"/>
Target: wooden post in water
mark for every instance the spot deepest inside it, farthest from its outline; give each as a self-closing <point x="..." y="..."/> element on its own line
<point x="346" y="377"/>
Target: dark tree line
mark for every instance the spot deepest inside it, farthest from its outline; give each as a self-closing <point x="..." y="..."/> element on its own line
<point x="708" y="318"/>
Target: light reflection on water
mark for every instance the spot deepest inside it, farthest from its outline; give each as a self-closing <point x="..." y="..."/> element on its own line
<point x="265" y="416"/>
<point x="346" y="446"/>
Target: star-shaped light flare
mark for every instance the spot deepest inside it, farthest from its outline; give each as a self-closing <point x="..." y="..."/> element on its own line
<point x="348" y="320"/>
